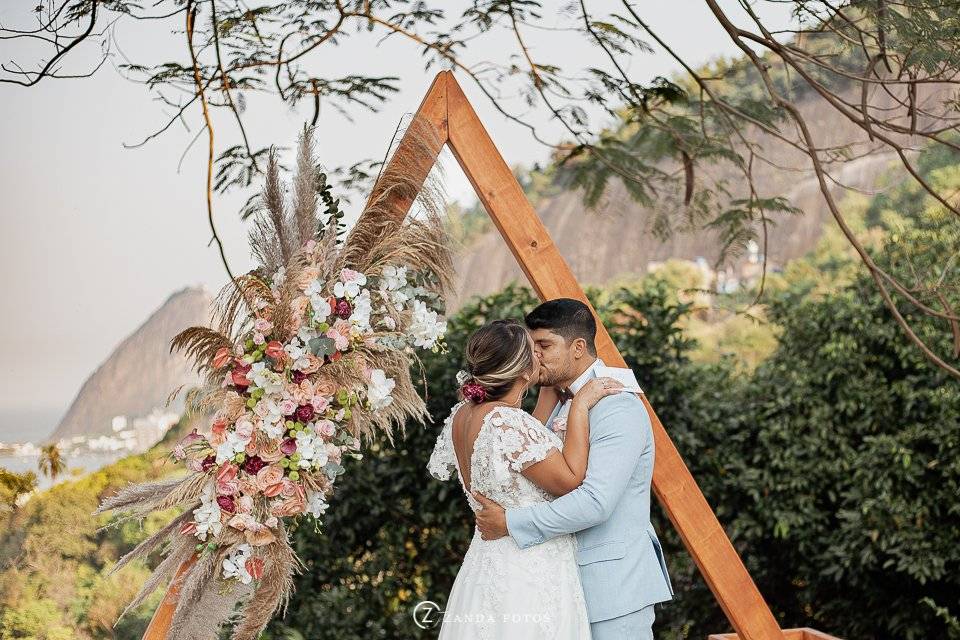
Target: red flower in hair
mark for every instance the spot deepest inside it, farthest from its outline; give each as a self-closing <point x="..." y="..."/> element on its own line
<point x="474" y="391"/>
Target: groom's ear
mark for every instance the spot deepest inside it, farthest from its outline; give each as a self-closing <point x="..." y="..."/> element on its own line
<point x="579" y="347"/>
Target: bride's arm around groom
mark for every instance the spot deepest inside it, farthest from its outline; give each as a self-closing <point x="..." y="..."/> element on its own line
<point x="621" y="563"/>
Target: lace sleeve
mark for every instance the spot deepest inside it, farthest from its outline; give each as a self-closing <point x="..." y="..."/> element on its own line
<point x="524" y="440"/>
<point x="443" y="461"/>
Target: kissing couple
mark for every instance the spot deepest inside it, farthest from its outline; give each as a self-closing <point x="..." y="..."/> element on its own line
<point x="563" y="546"/>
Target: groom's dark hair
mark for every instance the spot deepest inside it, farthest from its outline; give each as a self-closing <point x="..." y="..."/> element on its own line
<point x="566" y="317"/>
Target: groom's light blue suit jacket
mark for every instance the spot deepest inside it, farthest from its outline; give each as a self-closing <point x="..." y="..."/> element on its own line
<point x="622" y="567"/>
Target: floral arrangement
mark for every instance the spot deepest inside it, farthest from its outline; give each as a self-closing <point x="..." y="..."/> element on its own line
<point x="312" y="353"/>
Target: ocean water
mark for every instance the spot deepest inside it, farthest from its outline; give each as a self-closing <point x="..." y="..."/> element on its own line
<point x="35" y="425"/>
<point x="75" y="465"/>
<point x="31" y="424"/>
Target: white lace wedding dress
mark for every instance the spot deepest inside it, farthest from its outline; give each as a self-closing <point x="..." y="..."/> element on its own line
<point x="502" y="591"/>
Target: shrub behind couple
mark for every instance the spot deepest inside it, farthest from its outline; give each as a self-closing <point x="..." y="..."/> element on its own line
<point x="563" y="547"/>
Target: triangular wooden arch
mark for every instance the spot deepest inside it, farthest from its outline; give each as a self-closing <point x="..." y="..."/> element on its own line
<point x="446" y="109"/>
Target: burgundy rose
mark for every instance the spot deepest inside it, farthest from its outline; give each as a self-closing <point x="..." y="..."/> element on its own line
<point x="304" y="412"/>
<point x="299" y="376"/>
<point x="288" y="447"/>
<point x="344" y="309"/>
<point x="474" y="392"/>
<point x="226" y="504"/>
<point x="253" y="464"/>
<point x="208" y="462"/>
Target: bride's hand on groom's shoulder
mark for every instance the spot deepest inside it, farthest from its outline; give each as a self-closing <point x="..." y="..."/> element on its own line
<point x="491" y="519"/>
<point x="595" y="390"/>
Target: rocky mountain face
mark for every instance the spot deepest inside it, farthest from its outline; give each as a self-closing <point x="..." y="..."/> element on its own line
<point x="616" y="240"/>
<point x="140" y="372"/>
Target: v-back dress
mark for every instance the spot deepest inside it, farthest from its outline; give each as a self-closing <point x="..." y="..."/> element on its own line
<point x="501" y="590"/>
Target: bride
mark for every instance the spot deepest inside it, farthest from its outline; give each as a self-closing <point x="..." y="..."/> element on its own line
<point x="503" y="452"/>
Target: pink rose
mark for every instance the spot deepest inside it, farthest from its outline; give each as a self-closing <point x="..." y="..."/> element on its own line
<point x="263" y="325"/>
<point x="289" y="488"/>
<point x="340" y="334"/>
<point x="229" y="488"/>
<point x="326" y="428"/>
<point x="319" y="403"/>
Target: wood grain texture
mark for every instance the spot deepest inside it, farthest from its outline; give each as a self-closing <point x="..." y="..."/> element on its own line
<point x="163" y="616"/>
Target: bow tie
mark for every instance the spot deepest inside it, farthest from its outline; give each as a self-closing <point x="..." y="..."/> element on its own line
<point x="565" y="395"/>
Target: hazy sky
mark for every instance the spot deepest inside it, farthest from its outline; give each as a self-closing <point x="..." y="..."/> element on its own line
<point x="96" y="236"/>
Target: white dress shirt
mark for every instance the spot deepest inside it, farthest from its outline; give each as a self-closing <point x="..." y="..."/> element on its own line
<point x="557" y="422"/>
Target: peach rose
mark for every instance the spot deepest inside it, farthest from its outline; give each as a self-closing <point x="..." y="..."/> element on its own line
<point x="241" y="521"/>
<point x="270" y="452"/>
<point x="269" y="476"/>
<point x="313" y="364"/>
<point x="324" y="387"/>
<point x="289" y="507"/>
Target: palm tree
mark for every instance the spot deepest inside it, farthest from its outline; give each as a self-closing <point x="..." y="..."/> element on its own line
<point x="51" y="462"/>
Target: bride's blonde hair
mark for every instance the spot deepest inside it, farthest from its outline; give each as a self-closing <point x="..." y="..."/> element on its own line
<point x="498" y="353"/>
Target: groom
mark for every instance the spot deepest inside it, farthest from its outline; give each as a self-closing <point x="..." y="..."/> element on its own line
<point x="622" y="568"/>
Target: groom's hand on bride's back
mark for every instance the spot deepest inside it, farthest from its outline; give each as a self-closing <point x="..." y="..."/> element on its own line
<point x="491" y="519"/>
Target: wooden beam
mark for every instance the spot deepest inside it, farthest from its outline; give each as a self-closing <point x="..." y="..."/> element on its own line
<point x="163" y="616"/>
<point x="551" y="277"/>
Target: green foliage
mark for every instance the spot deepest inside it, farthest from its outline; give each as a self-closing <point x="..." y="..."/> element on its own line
<point x="833" y="466"/>
<point x="54" y="559"/>
<point x="13" y="486"/>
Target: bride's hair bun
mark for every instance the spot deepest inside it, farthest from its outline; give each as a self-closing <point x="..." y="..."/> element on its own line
<point x="498" y="353"/>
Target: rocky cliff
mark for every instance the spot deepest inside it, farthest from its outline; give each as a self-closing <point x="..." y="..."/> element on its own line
<point x="140" y="372"/>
